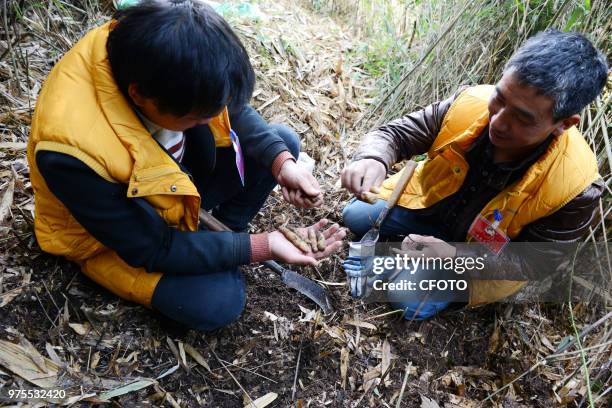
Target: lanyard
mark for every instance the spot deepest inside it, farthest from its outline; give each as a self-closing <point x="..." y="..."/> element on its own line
<point x="239" y="156"/>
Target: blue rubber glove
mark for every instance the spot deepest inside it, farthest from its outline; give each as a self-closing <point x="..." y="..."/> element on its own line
<point x="357" y="270"/>
<point x="416" y="311"/>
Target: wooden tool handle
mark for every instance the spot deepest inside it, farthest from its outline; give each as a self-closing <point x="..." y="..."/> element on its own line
<point x="211" y="222"/>
<point x="401" y="183"/>
<point x="215" y="225"/>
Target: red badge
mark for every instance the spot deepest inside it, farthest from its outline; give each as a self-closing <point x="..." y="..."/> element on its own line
<point x="488" y="234"/>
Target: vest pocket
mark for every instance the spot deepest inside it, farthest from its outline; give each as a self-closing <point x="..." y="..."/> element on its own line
<point x="166" y="188"/>
<point x="161" y="180"/>
<point x="439" y="179"/>
<point x="156" y="172"/>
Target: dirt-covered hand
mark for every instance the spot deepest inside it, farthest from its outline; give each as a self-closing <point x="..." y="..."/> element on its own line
<point x="360" y="176"/>
<point x="299" y="187"/>
<point x="283" y="250"/>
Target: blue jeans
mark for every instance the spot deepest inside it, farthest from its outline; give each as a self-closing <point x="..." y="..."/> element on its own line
<point x="359" y="217"/>
<point x="213" y="300"/>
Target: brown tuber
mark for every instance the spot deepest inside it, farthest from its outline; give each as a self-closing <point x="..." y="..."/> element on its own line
<point x="371" y="196"/>
<point x="312" y="239"/>
<point x="295" y="239"/>
<point x="321" y="244"/>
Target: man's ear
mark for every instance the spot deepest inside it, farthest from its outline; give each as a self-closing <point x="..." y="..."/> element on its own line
<point x="137" y="98"/>
<point x="565" y="124"/>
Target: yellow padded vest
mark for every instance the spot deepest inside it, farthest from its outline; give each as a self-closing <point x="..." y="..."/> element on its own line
<point x="81" y="112"/>
<point x="566" y="168"/>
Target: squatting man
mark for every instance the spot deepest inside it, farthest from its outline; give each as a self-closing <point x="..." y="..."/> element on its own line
<point x="505" y="163"/>
<point x="145" y="120"/>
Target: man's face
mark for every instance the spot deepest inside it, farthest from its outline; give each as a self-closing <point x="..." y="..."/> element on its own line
<point x="520" y="118"/>
<point x="149" y="108"/>
<point x="170" y="121"/>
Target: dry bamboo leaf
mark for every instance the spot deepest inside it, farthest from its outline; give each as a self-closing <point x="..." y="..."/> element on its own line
<point x="359" y="323"/>
<point x="8" y="297"/>
<point x="65" y="316"/>
<point x="31" y="351"/>
<point x="547" y="343"/>
<point x="17" y="360"/>
<point x="344" y="359"/>
<point x="176" y="353"/>
<point x="53" y="355"/>
<point x="268" y="103"/>
<point x="80" y="329"/>
<point x="428" y="403"/>
<point x="338" y="67"/>
<point x="195" y="354"/>
<point x="132" y="356"/>
<point x="125" y="389"/>
<point x="371" y="378"/>
<point x="166" y="396"/>
<point x="264" y="401"/>
<point x="182" y="355"/>
<point x="309" y="314"/>
<point x="169" y="371"/>
<point x="475" y="371"/>
<point x="455" y="401"/>
<point x="95" y="359"/>
<point x="13" y="146"/>
<point x="385" y="364"/>
<point x="341" y="91"/>
<point x="335" y="332"/>
<point x="494" y="340"/>
<point x="6" y="201"/>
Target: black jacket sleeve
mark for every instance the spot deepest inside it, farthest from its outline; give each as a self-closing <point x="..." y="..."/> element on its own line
<point x="132" y="227"/>
<point x="257" y="139"/>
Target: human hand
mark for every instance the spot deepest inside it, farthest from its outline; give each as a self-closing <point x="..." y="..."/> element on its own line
<point x="430" y="247"/>
<point x="298" y="186"/>
<point x="283" y="250"/>
<point x="360" y="176"/>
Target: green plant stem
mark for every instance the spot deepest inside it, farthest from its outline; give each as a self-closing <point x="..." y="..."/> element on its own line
<point x="585" y="368"/>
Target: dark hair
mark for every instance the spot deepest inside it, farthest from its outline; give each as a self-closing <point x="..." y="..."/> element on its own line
<point x="182" y="54"/>
<point x="564" y="66"/>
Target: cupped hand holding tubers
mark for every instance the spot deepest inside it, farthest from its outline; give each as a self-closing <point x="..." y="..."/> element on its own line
<point x="305" y="246"/>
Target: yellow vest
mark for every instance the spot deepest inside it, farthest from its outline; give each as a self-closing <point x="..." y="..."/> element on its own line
<point x="81" y="112"/>
<point x="562" y="172"/>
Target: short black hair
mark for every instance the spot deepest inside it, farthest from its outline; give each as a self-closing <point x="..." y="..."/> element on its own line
<point x="182" y="54"/>
<point x="562" y="65"/>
